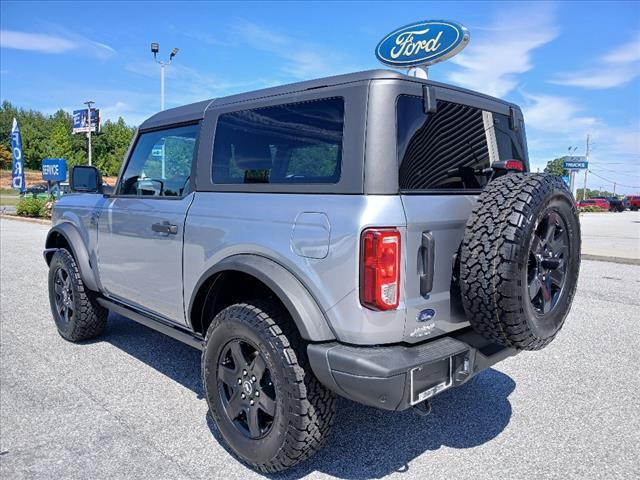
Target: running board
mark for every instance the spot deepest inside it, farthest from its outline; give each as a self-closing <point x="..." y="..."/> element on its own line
<point x="173" y="331"/>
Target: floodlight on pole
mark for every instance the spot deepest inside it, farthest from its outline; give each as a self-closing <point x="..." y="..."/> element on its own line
<point x="155" y="48"/>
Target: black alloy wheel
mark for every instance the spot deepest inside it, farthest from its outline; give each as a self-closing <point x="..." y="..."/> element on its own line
<point x="246" y="389"/>
<point x="63" y="294"/>
<point x="546" y="271"/>
<point x="266" y="402"/>
<point x="75" y="309"/>
<point x="520" y="260"/>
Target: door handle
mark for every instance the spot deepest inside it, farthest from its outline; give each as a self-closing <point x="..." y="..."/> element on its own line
<point x="427" y="257"/>
<point x="165" y="227"/>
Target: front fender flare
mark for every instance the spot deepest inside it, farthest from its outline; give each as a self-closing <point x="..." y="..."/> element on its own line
<point x="301" y="305"/>
<point x="78" y="250"/>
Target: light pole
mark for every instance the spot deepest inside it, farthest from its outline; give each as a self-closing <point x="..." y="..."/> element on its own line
<point x="155" y="48"/>
<point x="88" y="104"/>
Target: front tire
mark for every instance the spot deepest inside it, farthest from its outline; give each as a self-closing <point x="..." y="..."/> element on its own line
<point x="262" y="394"/>
<point x="75" y="310"/>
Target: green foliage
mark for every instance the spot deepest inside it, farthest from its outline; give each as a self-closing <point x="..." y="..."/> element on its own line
<point x="594" y="193"/>
<point x="313" y="161"/>
<point x="32" y="207"/>
<point x="50" y="136"/>
<point x="110" y="147"/>
<point x="591" y="209"/>
<point x="555" y="167"/>
<point x="5" y="157"/>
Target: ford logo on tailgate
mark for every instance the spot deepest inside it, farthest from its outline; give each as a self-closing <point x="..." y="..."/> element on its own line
<point x="422" y="43"/>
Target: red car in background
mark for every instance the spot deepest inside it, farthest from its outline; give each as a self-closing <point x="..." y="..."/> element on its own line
<point x="594" y="202"/>
<point x="634" y="202"/>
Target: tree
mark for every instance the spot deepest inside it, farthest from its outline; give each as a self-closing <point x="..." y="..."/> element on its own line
<point x="51" y="136"/>
<point x="111" y="146"/>
<point x="594" y="193"/>
<point x="5" y="157"/>
<point x="555" y="167"/>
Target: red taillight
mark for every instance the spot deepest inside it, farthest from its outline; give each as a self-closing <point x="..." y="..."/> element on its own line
<point x="380" y="268"/>
<point x="514" y="165"/>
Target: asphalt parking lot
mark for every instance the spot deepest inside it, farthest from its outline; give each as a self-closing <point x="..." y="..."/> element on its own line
<point x="130" y="405"/>
<point x="611" y="234"/>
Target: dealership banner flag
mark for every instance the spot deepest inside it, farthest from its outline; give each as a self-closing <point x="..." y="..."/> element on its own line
<point x="17" y="170"/>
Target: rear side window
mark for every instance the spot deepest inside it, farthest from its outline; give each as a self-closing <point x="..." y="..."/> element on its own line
<point x="292" y="143"/>
<point x="450" y="149"/>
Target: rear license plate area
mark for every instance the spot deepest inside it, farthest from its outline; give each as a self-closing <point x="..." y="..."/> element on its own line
<point x="430" y="379"/>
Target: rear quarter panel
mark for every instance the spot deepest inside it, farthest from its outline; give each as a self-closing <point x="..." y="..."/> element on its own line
<point x="221" y="224"/>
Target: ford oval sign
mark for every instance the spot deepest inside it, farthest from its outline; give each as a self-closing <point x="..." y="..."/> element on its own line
<point x="422" y="43"/>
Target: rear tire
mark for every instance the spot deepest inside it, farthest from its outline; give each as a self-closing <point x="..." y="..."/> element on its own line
<point x="75" y="310"/>
<point x="520" y="260"/>
<point x="262" y="394"/>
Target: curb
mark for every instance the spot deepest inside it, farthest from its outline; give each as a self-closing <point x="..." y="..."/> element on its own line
<point x="41" y="221"/>
<point x="584" y="256"/>
<point x="602" y="258"/>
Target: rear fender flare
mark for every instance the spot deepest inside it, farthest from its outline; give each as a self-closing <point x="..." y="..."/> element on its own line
<point x="304" y="309"/>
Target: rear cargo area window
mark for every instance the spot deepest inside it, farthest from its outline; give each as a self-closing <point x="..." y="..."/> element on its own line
<point x="292" y="143"/>
<point x="450" y="149"/>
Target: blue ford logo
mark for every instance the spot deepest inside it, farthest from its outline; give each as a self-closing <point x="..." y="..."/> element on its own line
<point x="426" y="315"/>
<point x="422" y="43"/>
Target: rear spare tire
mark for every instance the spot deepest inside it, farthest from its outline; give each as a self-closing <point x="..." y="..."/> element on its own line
<point x="520" y="259"/>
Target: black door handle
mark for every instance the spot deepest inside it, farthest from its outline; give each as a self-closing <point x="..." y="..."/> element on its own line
<point x="165" y="227"/>
<point x="427" y="257"/>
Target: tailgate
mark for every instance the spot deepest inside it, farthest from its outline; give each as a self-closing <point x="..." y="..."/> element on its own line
<point x="437" y="222"/>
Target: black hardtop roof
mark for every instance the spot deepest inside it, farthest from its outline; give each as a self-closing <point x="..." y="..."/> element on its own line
<point x="195" y="111"/>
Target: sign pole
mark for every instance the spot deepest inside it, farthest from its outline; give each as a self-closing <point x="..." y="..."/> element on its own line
<point x="419" y="72"/>
<point x="572" y="182"/>
<point x="88" y="104"/>
<point x="586" y="171"/>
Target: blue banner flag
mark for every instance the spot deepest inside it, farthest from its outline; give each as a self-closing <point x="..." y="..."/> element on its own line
<point x="17" y="167"/>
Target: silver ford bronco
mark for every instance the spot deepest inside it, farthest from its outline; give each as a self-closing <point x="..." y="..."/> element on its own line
<point x="372" y="235"/>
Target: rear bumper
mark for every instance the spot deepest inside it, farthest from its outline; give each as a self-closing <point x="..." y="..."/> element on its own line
<point x="397" y="377"/>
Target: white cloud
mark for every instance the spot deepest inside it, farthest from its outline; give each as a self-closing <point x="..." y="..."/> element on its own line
<point x="302" y="60"/>
<point x="54" y="43"/>
<point x="554" y="119"/>
<point x="555" y="123"/>
<point x="616" y="68"/>
<point x="627" y="53"/>
<point x="35" y="42"/>
<point x="492" y="62"/>
<point x="187" y="85"/>
<point x="556" y="114"/>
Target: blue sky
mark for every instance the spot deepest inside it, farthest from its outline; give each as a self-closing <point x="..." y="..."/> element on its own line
<point x="574" y="67"/>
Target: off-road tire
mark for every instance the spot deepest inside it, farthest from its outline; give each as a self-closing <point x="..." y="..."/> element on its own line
<point x="89" y="318"/>
<point x="495" y="255"/>
<point x="305" y="409"/>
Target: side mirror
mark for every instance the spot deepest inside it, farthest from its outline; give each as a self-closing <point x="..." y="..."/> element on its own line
<point x="85" y="179"/>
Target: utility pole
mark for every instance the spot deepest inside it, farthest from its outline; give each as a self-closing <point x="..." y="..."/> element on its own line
<point x="586" y="170"/>
<point x="88" y="104"/>
<point x="614" y="188"/>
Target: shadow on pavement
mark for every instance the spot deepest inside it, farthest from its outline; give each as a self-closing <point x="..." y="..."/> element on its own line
<point x="366" y="442"/>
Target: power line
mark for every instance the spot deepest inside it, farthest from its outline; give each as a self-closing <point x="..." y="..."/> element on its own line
<point x="613" y="181"/>
<point x="628" y="172"/>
